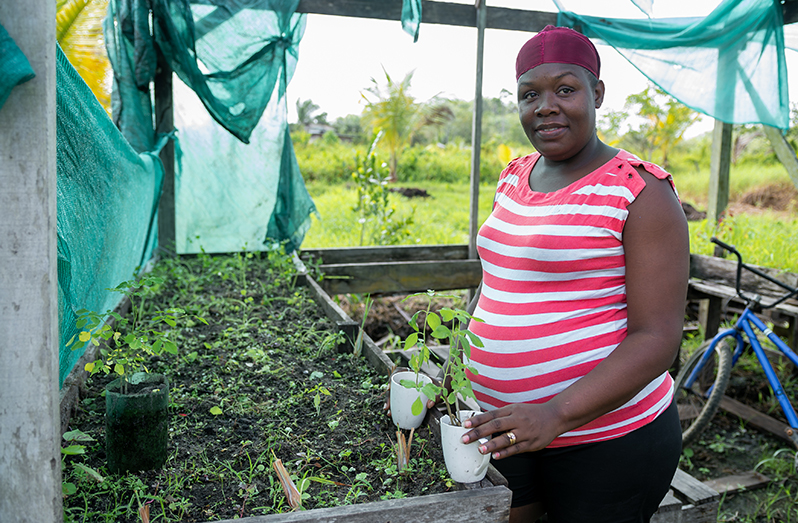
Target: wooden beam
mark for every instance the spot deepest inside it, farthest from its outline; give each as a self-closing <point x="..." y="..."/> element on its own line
<point x="443" y="13"/>
<point x="487" y="505"/>
<point x="164" y="124"/>
<point x="30" y="458"/>
<point x="373" y="354"/>
<point x="719" y="167"/>
<point x="718" y="270"/>
<point x="401" y="277"/>
<point x="476" y="135"/>
<point x="757" y="419"/>
<point x="728" y="484"/>
<point x="386" y="254"/>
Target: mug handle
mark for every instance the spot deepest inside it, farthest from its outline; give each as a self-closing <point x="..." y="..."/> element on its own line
<point x="485" y="459"/>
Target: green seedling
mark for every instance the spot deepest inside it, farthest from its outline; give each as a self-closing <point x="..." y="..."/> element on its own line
<point x="127" y="346"/>
<point x="75" y="448"/>
<point x="373" y="206"/>
<point x="455" y="379"/>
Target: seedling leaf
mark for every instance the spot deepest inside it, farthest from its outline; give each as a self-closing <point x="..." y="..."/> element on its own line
<point x="417" y="406"/>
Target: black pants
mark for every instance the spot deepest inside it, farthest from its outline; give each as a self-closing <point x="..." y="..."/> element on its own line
<point x="613" y="481"/>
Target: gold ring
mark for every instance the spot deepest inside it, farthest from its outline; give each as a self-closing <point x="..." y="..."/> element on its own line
<point x="511" y="437"/>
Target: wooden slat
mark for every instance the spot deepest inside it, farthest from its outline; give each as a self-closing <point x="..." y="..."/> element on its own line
<point x="488" y="505"/>
<point x="669" y="503"/>
<point x="443" y="13"/>
<point x="719" y="166"/>
<point x="385" y="254"/>
<point x="723" y="271"/>
<point x="400" y="277"/>
<point x="164" y="124"/>
<point x="691" y="489"/>
<point x="371" y="351"/>
<point x="755" y="418"/>
<point x="729" y="484"/>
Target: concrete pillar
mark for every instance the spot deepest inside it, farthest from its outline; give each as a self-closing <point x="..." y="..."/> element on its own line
<point x="30" y="463"/>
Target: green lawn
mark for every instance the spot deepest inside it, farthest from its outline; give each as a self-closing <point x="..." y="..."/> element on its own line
<point x="768" y="239"/>
<point x="442" y="218"/>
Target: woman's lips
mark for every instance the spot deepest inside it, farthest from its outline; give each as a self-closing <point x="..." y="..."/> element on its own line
<point x="550" y="132"/>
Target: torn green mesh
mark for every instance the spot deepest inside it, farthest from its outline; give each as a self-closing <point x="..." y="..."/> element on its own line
<point x="729" y="65"/>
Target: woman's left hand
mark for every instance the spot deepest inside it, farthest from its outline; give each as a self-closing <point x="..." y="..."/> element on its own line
<point x="521" y="427"/>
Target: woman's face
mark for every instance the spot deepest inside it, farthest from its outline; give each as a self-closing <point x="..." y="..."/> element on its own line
<point x="557" y="107"/>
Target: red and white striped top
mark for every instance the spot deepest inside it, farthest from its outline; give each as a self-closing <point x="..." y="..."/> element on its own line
<point x="553" y="294"/>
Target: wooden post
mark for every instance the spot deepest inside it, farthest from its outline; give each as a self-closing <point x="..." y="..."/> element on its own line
<point x="476" y="133"/>
<point x="720" y="163"/>
<point x="30" y="463"/>
<point x="164" y="123"/>
<point x="476" y="138"/>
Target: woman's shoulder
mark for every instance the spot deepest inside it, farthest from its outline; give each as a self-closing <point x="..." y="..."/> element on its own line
<point x="637" y="163"/>
<point x="522" y="162"/>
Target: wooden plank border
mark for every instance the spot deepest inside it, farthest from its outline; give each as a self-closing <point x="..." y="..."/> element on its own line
<point x="489" y="505"/>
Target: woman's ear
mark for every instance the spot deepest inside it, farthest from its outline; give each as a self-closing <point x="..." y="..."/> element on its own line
<point x="598" y="93"/>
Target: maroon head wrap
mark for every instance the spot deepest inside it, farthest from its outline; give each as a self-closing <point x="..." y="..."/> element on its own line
<point x="559" y="45"/>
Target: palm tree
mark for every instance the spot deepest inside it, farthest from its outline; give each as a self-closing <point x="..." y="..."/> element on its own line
<point x="79" y="31"/>
<point x="392" y="110"/>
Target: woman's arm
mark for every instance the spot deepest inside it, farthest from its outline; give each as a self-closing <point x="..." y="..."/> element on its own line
<point x="656" y="245"/>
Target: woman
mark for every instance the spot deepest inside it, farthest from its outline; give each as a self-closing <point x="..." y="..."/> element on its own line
<point x="585" y="266"/>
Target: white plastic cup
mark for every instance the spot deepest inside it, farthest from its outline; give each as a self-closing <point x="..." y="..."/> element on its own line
<point x="402" y="400"/>
<point x="463" y="461"/>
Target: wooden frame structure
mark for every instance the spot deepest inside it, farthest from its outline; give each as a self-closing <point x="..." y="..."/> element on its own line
<point x="481" y="17"/>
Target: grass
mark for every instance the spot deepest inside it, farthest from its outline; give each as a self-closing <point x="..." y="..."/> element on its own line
<point x="693" y="185"/>
<point x="440" y="219"/>
<point x="768" y="238"/>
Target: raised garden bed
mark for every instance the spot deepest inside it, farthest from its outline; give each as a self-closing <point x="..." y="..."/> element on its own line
<point x="265" y="380"/>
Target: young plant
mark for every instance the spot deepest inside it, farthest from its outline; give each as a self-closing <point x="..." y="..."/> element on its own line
<point x="75" y="438"/>
<point x="455" y="379"/>
<point x="373" y="205"/>
<point x="127" y="346"/>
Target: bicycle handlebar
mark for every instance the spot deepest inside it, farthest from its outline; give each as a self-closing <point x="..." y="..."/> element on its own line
<point x="740" y="265"/>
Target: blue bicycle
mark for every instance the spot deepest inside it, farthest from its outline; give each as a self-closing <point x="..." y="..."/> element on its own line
<point x="701" y="383"/>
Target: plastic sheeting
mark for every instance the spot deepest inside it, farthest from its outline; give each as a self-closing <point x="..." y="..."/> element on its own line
<point x="107" y="200"/>
<point x="729" y="65"/>
<point x="14" y="66"/>
<point x="236" y="57"/>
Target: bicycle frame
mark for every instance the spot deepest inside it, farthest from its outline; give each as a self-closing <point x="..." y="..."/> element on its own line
<point x="745" y="325"/>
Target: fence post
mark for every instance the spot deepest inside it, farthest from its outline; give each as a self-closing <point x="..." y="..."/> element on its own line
<point x="30" y="464"/>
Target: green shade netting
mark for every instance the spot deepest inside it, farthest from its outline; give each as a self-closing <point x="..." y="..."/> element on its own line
<point x="14" y="66"/>
<point x="729" y="65"/>
<point x="411" y="17"/>
<point x="235" y="58"/>
<point x="107" y="196"/>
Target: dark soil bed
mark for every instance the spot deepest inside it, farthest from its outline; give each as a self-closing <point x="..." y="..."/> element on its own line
<point x="262" y="381"/>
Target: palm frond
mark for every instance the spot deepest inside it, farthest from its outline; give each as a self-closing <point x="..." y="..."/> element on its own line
<point x="79" y="31"/>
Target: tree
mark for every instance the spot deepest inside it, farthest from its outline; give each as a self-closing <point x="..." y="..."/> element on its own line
<point x="80" y="34"/>
<point x="666" y="125"/>
<point x="305" y="114"/>
<point x="393" y="111"/>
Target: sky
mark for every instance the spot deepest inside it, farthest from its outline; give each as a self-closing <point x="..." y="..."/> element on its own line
<point x="339" y="57"/>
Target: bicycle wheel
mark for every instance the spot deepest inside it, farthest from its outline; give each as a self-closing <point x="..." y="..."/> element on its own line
<point x="696" y="406"/>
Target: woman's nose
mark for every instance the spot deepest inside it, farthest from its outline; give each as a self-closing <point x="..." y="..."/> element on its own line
<point x="546" y="104"/>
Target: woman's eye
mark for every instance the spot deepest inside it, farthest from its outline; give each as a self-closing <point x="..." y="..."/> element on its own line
<point x="529" y="95"/>
<point x="566" y="90"/>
